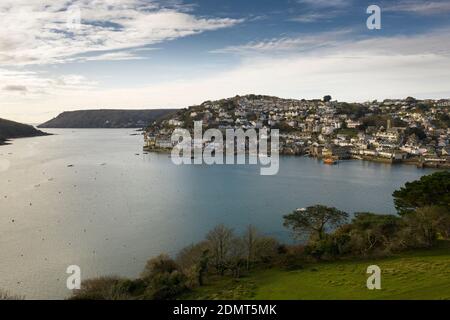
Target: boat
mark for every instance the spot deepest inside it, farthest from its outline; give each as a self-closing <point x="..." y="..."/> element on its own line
<point x="330" y="161"/>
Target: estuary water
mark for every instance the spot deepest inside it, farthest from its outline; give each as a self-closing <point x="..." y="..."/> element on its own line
<point x="92" y="198"/>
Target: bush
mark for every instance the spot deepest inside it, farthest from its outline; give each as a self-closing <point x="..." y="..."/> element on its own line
<point x="160" y="264"/>
<point x="191" y="255"/>
<point x="194" y="262"/>
<point x="290" y="257"/>
<point x="109" y="288"/>
<point x="425" y="225"/>
<point x="291" y="262"/>
<point x="166" y="285"/>
<point x="325" y="248"/>
<point x="370" y="233"/>
<point x="164" y="278"/>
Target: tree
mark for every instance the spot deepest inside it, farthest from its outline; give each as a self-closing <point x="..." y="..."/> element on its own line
<point x="191" y="255"/>
<point x="160" y="264"/>
<point x="431" y="190"/>
<point x="164" y="278"/>
<point x="194" y="261"/>
<point x="418" y="132"/>
<point x="203" y="266"/>
<point x="370" y="231"/>
<point x="327" y="98"/>
<point x="410" y="100"/>
<point x="250" y="239"/>
<point x="257" y="247"/>
<point x="314" y="221"/>
<point x="220" y="241"/>
<point x="237" y="257"/>
<point x="427" y="223"/>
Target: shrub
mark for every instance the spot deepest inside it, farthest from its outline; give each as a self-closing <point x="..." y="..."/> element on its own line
<point x="191" y="255"/>
<point x="369" y="233"/>
<point x="166" y="285"/>
<point x="109" y="288"/>
<point x="426" y="224"/>
<point x="164" y="278"/>
<point x="160" y="264"/>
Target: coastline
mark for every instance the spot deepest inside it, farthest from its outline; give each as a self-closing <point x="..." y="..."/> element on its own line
<point x="410" y="162"/>
<point x="9" y="140"/>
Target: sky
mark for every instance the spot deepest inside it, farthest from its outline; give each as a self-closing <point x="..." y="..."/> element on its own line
<point x="64" y="55"/>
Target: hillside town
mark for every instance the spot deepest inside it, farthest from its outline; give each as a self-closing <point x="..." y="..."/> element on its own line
<point x="392" y="131"/>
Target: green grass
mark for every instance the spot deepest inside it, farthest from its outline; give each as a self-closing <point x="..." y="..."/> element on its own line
<point x="413" y="275"/>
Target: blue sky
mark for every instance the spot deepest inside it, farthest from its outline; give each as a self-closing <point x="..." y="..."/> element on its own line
<point x="150" y="54"/>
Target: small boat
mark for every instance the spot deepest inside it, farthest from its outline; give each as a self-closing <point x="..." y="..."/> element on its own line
<point x="330" y="161"/>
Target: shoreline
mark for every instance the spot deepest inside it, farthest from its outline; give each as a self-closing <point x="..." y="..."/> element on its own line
<point x="10" y="140"/>
<point x="417" y="163"/>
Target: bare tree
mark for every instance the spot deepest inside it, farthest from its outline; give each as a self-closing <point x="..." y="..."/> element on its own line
<point x="220" y="242"/>
<point x="250" y="242"/>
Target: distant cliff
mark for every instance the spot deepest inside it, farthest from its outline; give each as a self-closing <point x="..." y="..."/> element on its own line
<point x="106" y="118"/>
<point x="12" y="130"/>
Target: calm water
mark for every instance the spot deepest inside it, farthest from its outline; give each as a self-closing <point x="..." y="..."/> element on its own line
<point x="114" y="209"/>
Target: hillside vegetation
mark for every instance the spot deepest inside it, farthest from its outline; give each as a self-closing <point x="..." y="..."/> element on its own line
<point x="421" y="274"/>
<point x="12" y="130"/>
<point x="106" y="118"/>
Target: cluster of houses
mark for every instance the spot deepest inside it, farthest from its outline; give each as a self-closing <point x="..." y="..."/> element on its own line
<point x="404" y="130"/>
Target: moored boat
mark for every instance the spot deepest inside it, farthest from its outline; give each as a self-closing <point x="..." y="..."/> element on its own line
<point x="330" y="161"/>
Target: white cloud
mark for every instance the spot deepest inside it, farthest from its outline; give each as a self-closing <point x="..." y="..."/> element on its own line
<point x="306" y="66"/>
<point x="359" y="70"/>
<point x="114" y="56"/>
<point x="419" y="7"/>
<point x="36" y="85"/>
<point x="36" y="32"/>
<point x="326" y="3"/>
<point x="46" y="32"/>
<point x="300" y="43"/>
<point x="346" y="41"/>
<point x="310" y="17"/>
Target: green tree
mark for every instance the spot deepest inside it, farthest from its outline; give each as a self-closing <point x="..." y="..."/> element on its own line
<point x="327" y="98"/>
<point x="314" y="221"/>
<point x="370" y="231"/>
<point x="418" y="132"/>
<point x="427" y="223"/>
<point x="431" y="190"/>
<point x="410" y="100"/>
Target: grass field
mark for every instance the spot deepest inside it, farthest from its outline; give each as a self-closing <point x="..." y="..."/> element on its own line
<point x="414" y="275"/>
